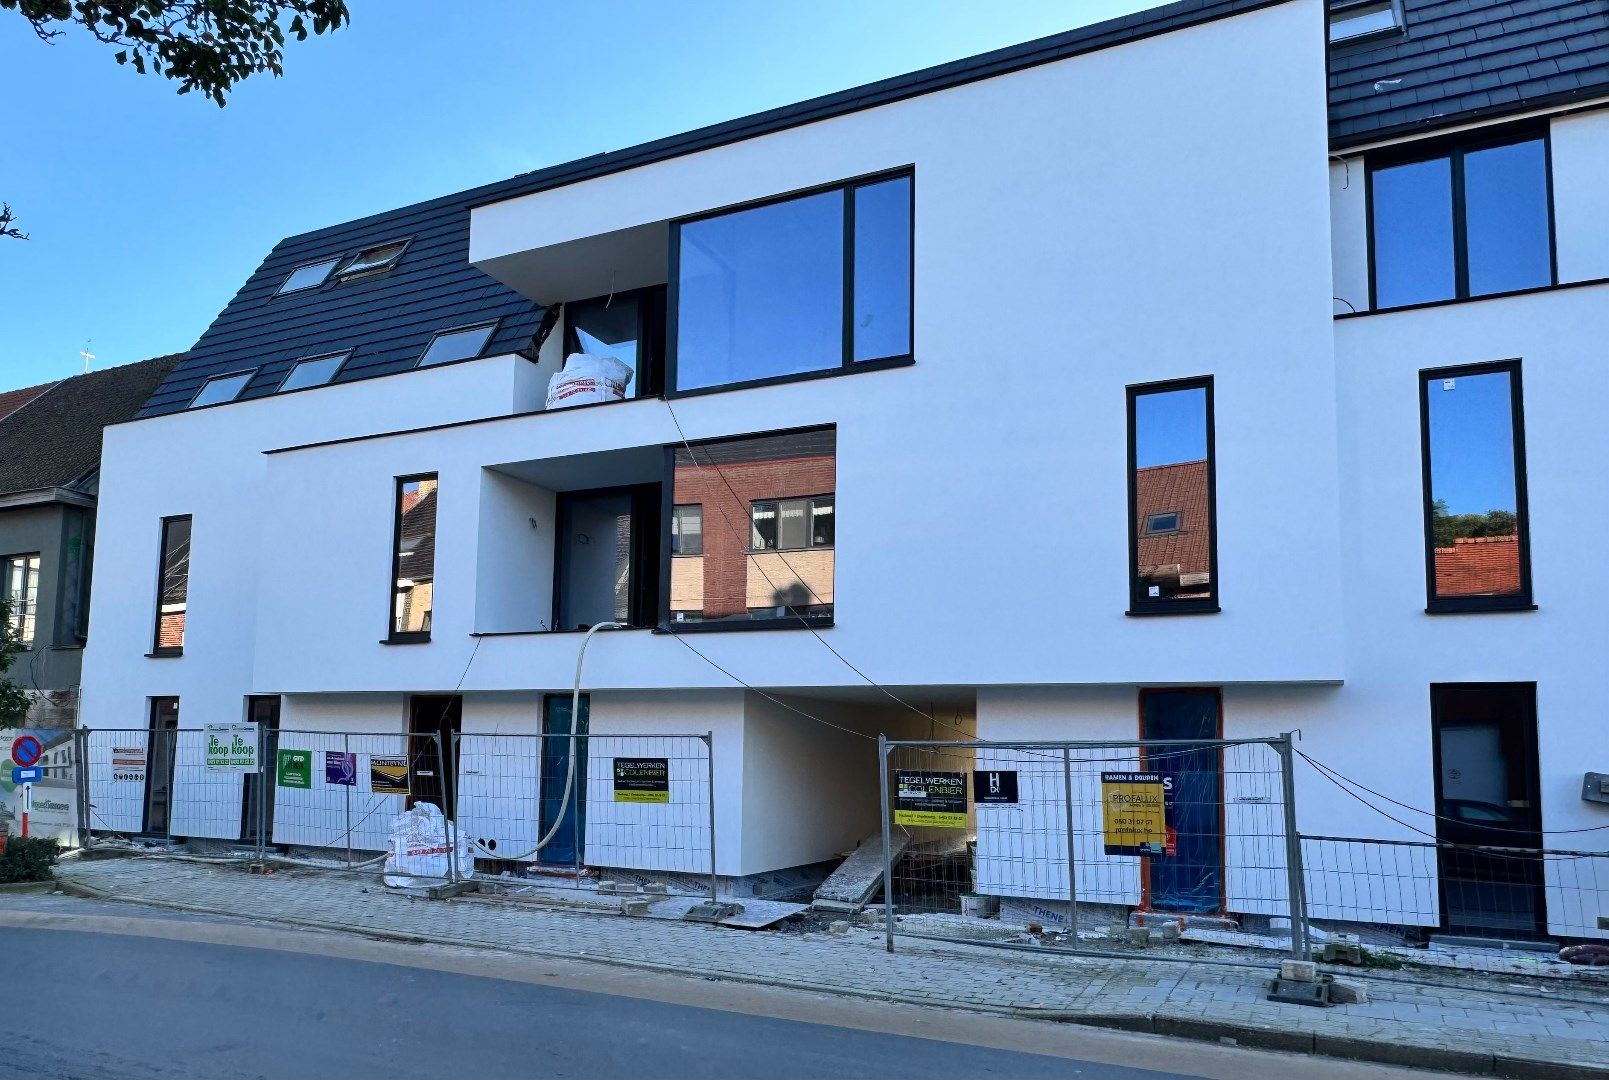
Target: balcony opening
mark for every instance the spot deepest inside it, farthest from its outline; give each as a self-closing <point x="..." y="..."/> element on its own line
<point x="607" y="557"/>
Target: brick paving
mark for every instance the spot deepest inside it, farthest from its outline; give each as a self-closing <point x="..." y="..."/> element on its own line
<point x="1475" y="1024"/>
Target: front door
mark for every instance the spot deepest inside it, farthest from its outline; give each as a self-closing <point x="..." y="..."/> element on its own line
<point x="257" y="793"/>
<point x="570" y="813"/>
<point x="164" y="736"/>
<point x="434" y="721"/>
<point x="1190" y="880"/>
<point x="1486" y="799"/>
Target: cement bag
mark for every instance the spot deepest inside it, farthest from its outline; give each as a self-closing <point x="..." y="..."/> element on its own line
<point x="587" y="379"/>
<point x="420" y="846"/>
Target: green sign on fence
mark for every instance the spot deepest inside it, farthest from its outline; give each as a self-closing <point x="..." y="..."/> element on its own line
<point x="296" y="768"/>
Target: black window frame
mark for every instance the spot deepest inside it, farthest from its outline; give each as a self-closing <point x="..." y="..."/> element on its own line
<point x="1139" y="603"/>
<point x="653" y="330"/>
<point x="667" y="625"/>
<point x="1452" y="605"/>
<point x="1347" y="7"/>
<point x="847" y="363"/>
<point x="334" y="262"/>
<point x="393" y="635"/>
<point x="157" y="648"/>
<point x="346" y="272"/>
<point x="810" y="501"/>
<point x="489" y="325"/>
<point x="643" y="564"/>
<point x="344" y="354"/>
<point x="249" y="373"/>
<point x="1456" y="148"/>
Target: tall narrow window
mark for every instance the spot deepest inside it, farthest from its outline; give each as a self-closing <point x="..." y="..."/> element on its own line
<point x="1172" y="506"/>
<point x="687" y="530"/>
<point x="173" y="589"/>
<point x="1468" y="221"/>
<point x="1477" y="555"/>
<point x="413" y="563"/>
<point x="19" y="590"/>
<point x="766" y="530"/>
<point x="808" y="284"/>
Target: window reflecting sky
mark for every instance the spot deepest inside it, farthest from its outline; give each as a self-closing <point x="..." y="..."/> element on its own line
<point x="1472" y="443"/>
<point x="1170" y="427"/>
<point x="1506" y="207"/>
<point x="1413" y="233"/>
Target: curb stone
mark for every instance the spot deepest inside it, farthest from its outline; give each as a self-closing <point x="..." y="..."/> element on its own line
<point x="1135" y="1021"/>
<point x="27" y="888"/>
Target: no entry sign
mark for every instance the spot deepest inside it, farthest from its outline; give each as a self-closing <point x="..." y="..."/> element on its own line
<point x="25" y="750"/>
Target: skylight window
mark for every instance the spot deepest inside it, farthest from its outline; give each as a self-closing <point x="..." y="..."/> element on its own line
<point x="464" y="344"/>
<point x="1360" y="20"/>
<point x="372" y="260"/>
<point x="310" y="276"/>
<point x="1166" y="522"/>
<point x="314" y="372"/>
<point x="221" y="388"/>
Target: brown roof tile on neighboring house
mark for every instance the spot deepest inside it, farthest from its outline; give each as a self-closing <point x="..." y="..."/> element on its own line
<point x="54" y="439"/>
<point x="12" y="400"/>
<point x="1177" y="488"/>
<point x="1479" y="566"/>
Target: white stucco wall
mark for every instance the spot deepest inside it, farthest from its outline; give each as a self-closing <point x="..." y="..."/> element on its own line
<point x="1581" y="194"/>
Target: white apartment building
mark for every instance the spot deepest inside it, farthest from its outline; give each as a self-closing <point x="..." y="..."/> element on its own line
<point x="1219" y="371"/>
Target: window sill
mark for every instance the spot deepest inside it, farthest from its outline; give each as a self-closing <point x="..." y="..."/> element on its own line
<point x="1172" y="609"/>
<point x="406" y="639"/>
<point x="164" y="654"/>
<point x="547" y="633"/>
<point x="1482" y="606"/>
<point x="803" y="376"/>
<point x="1425" y="304"/>
<point x="808" y="622"/>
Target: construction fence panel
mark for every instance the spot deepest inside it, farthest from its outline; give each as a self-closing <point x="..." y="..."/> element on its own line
<point x="572" y="810"/>
<point x="990" y="838"/>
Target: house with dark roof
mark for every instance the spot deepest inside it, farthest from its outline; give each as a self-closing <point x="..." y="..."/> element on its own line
<point x="1222" y="370"/>
<point x="50" y="452"/>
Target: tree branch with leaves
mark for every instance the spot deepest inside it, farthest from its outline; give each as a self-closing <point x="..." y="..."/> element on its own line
<point x="14" y="700"/>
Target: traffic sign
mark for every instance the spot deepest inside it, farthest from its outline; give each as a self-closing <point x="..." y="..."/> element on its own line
<point x="25" y="750"/>
<point x="32" y="775"/>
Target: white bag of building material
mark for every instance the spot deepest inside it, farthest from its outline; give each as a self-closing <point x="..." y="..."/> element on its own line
<point x="421" y="844"/>
<point x="586" y="379"/>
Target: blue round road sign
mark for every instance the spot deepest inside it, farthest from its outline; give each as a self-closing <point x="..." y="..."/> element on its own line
<point x="25" y="750"/>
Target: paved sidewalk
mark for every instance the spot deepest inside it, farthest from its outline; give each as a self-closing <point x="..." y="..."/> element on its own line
<point x="1481" y="1026"/>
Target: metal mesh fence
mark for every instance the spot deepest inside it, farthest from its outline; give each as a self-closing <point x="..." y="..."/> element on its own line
<point x="989" y="838"/>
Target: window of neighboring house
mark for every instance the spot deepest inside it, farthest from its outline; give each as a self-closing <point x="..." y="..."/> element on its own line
<point x="310" y="276"/>
<point x="221" y="388"/>
<point x="464" y="344"/>
<point x="687" y="530"/>
<point x="804" y="285"/>
<point x="767" y="551"/>
<point x="1172" y="512"/>
<point x="629" y="326"/>
<point x="373" y="260"/>
<point x="1477" y="555"/>
<point x="1351" y="21"/>
<point x="413" y="560"/>
<point x="607" y="562"/>
<point x="173" y="587"/>
<point x="791" y="524"/>
<point x="1472" y="220"/>
<point x="19" y="589"/>
<point x="314" y="372"/>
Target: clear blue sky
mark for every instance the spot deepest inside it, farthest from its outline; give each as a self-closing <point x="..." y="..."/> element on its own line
<point x="148" y="210"/>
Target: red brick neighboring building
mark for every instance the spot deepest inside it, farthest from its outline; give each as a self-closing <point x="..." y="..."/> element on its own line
<point x="1479" y="566"/>
<point x="1175" y="553"/>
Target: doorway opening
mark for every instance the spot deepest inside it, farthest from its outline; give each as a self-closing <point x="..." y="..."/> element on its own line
<point x="606" y="566"/>
<point x="433" y="721"/>
<point x="257" y="793"/>
<point x="1190" y="880"/>
<point x="1487" y="781"/>
<point x="164" y="736"/>
<point x="565" y="849"/>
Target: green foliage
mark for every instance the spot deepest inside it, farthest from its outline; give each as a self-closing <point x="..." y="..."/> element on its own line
<point x="1383" y="960"/>
<point x="205" y="45"/>
<point x="13" y="699"/>
<point x="1449" y="527"/>
<point x="27" y="859"/>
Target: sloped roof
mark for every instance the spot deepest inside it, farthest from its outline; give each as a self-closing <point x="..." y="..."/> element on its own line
<point x="12" y="400"/>
<point x="1179" y="488"/>
<point x="55" y="439"/>
<point x="1465" y="59"/>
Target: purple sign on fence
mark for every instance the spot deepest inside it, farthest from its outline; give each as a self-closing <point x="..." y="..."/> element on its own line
<point x="340" y="768"/>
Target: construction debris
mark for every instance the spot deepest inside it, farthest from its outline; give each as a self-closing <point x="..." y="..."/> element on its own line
<point x="857" y="879"/>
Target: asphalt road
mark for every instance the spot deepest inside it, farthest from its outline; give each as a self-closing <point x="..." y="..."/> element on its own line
<point x="97" y="991"/>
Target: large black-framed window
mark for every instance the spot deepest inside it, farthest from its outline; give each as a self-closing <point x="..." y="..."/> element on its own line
<point x="629" y="326"/>
<point x="750" y="572"/>
<point x="805" y="285"/>
<point x="413" y="559"/>
<point x="606" y="559"/>
<point x="1477" y="536"/>
<point x="1454" y="220"/>
<point x="1173" y="504"/>
<point x="172" y="587"/>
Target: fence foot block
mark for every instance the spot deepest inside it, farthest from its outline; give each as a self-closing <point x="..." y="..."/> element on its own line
<point x="451" y="889"/>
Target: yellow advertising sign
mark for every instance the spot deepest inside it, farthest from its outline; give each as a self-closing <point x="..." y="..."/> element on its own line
<point x="1134" y="812"/>
<point x="936" y="799"/>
